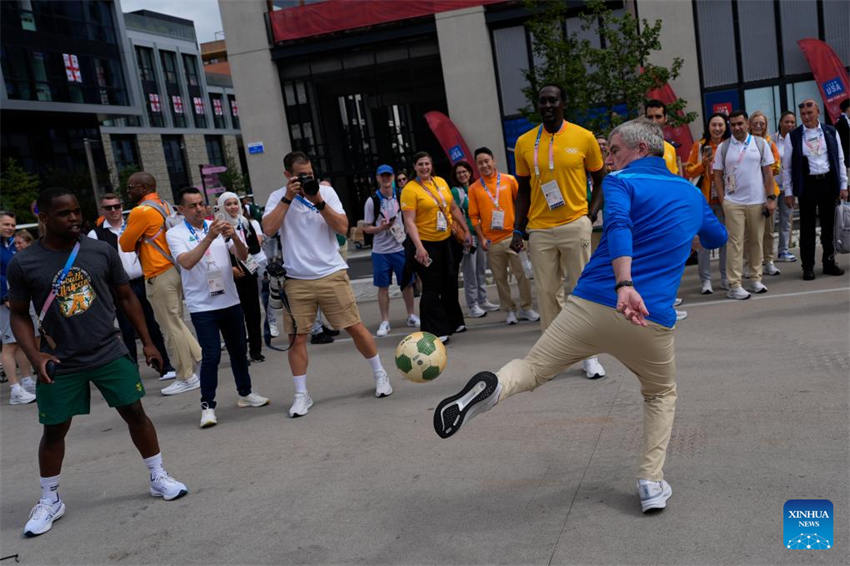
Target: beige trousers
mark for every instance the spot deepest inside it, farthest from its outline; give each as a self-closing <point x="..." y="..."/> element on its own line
<point x="745" y="225"/>
<point x="165" y="293"/>
<point x="500" y="256"/>
<point x="557" y="257"/>
<point x="585" y="329"/>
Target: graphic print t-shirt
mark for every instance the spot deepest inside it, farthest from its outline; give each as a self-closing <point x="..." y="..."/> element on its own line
<point x="82" y="317"/>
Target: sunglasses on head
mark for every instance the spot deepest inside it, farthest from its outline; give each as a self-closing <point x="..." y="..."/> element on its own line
<point x="111" y="207"/>
<point x="808" y="104"/>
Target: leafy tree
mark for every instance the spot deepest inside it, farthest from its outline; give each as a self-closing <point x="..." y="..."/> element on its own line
<point x="232" y="179"/>
<point x="18" y="189"/>
<point x="605" y="85"/>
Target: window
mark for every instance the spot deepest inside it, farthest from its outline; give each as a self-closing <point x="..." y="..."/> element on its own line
<point x="169" y="66"/>
<point x="717" y="43"/>
<point x="757" y="30"/>
<point x="234" y="111"/>
<point x="144" y="59"/>
<point x="799" y="20"/>
<point x="191" y="67"/>
<point x="765" y="99"/>
<point x="215" y="152"/>
<point x="512" y="61"/>
<point x="125" y="152"/>
<point x="217" y="107"/>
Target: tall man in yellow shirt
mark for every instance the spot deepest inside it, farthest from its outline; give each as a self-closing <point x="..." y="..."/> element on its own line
<point x="145" y="232"/>
<point x="552" y="163"/>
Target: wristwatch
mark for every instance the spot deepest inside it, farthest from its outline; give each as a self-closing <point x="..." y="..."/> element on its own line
<point x="321" y="206"/>
<point x="624" y="283"/>
<point x="771" y="197"/>
<point x="285" y="200"/>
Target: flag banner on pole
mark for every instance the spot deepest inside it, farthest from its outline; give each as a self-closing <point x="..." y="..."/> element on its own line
<point x="830" y="74"/>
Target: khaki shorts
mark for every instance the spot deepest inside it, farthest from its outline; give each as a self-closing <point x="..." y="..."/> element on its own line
<point x="331" y="293"/>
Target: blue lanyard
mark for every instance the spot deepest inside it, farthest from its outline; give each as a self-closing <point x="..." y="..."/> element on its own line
<point x="495" y="199"/>
<point x="192" y="229"/>
<point x="58" y="283"/>
<point x="307" y="203"/>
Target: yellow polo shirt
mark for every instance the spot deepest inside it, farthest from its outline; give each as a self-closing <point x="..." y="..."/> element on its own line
<point x="416" y="198"/>
<point x="670" y="158"/>
<point x="574" y="151"/>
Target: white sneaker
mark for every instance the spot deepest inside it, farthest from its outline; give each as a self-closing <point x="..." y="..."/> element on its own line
<point x="738" y="293"/>
<point x="252" y="400"/>
<point x="771" y="269"/>
<point x="759" y="287"/>
<point x="724" y="284"/>
<point x="678" y="301"/>
<point x="273" y="330"/>
<point x="706" y="288"/>
<point x="413" y="321"/>
<point x="207" y="416"/>
<point x="488" y="306"/>
<point x="681" y="315"/>
<point x="167" y="487"/>
<point x="300" y="405"/>
<point x="384" y="328"/>
<point x="476" y="312"/>
<point x="182" y="386"/>
<point x="592" y="368"/>
<point x="168" y="375"/>
<point x="42" y="516"/>
<point x="444" y="339"/>
<point x="511" y="318"/>
<point x="28" y="384"/>
<point x="20" y="396"/>
<point x="460" y="328"/>
<point x="528" y="314"/>
<point x="382" y="384"/>
<point x="653" y="494"/>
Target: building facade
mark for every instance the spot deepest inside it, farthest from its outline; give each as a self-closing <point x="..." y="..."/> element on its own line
<point x="350" y="86"/>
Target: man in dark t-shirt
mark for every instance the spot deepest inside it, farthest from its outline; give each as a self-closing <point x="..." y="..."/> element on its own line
<point x="74" y="283"/>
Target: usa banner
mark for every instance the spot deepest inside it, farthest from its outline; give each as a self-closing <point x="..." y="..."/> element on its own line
<point x="177" y="102"/>
<point x="830" y="74"/>
<point x="154" y="100"/>
<point x="450" y="139"/>
<point x="199" y="104"/>
<point x="72" y="68"/>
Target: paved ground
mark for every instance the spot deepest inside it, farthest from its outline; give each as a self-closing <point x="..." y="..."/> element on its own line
<point x="545" y="478"/>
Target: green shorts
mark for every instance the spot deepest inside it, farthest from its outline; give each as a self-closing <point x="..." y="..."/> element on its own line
<point x="70" y="394"/>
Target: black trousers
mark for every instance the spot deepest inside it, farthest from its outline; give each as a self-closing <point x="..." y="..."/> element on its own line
<point x="128" y="332"/>
<point x="249" y="296"/>
<point x="439" y="308"/>
<point x="817" y="202"/>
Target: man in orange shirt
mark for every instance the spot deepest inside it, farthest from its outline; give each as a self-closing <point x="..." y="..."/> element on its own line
<point x="145" y="233"/>
<point x="491" y="210"/>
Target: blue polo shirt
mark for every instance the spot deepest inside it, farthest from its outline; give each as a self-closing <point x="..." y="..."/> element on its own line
<point x="652" y="216"/>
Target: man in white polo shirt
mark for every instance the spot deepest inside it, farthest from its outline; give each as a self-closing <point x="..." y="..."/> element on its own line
<point x="210" y="293"/>
<point x="308" y="216"/>
<point x="744" y="181"/>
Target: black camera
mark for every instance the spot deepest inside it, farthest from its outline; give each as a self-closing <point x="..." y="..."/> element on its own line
<point x="309" y="184"/>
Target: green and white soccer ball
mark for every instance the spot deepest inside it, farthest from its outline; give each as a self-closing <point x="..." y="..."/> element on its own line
<point x="420" y="357"/>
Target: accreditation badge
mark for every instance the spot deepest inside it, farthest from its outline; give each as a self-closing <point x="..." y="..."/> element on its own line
<point x="497" y="221"/>
<point x="215" y="282"/>
<point x="553" y="195"/>
<point x="442" y="224"/>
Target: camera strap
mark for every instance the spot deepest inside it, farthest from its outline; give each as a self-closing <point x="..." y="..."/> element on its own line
<point x="307" y="203"/>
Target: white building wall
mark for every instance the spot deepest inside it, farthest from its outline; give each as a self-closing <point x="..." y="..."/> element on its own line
<point x="470" y="78"/>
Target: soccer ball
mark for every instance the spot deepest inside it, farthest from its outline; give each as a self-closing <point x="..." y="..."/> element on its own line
<point x="420" y="357"/>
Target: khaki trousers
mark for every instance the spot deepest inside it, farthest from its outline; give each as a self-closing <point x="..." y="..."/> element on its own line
<point x="745" y="225"/>
<point x="501" y="256"/>
<point x="585" y="329"/>
<point x="165" y="294"/>
<point x="557" y="257"/>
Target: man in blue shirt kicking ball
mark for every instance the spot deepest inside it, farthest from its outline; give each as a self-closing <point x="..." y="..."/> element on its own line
<point x="622" y="304"/>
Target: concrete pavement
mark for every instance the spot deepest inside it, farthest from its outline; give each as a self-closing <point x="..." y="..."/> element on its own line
<point x="545" y="478"/>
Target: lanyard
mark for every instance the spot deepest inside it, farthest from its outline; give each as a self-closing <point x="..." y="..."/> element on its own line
<point x="427" y="190"/>
<point x="495" y="199"/>
<point x="743" y="150"/>
<point x="192" y="229"/>
<point x="382" y="198"/>
<point x="307" y="203"/>
<point x="551" y="150"/>
<point x="58" y="283"/>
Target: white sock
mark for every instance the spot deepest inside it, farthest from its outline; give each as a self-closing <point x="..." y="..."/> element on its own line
<point x="300" y="383"/>
<point x="50" y="489"/>
<point x="375" y="362"/>
<point x="154" y="464"/>
<point x="16" y="386"/>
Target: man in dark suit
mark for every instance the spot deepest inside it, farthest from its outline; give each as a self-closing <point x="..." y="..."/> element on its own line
<point x="842" y="126"/>
<point x="815" y="173"/>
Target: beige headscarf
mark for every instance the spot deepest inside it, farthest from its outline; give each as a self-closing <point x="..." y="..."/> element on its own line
<point x="234" y="220"/>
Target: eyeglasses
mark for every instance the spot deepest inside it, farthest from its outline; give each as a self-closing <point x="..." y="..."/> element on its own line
<point x="401" y="179"/>
<point x="111" y="207"/>
<point x="808" y="104"/>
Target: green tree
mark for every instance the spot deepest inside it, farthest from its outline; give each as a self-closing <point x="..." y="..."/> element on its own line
<point x="232" y="179"/>
<point x="605" y="85"/>
<point x="18" y="189"/>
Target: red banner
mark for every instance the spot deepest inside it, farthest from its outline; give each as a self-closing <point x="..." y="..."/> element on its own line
<point x="829" y="72"/>
<point x="680" y="134"/>
<point x="329" y="16"/>
<point x="450" y="139"/>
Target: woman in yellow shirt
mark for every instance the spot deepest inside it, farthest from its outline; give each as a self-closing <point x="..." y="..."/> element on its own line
<point x="429" y="216"/>
<point x="698" y="168"/>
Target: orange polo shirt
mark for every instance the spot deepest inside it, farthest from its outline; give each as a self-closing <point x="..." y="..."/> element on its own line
<point x="146" y="222"/>
<point x="481" y="205"/>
